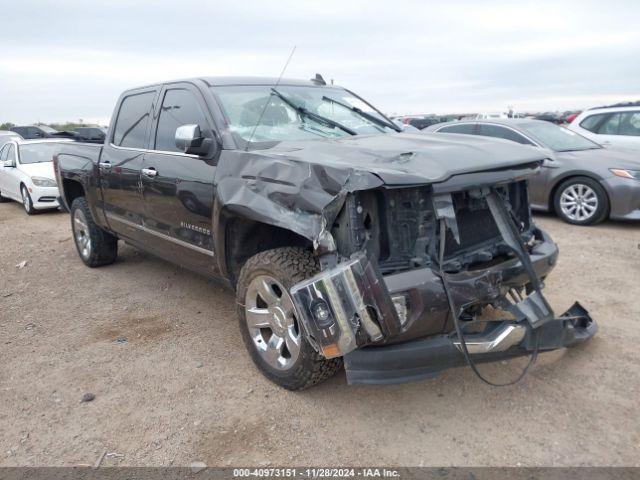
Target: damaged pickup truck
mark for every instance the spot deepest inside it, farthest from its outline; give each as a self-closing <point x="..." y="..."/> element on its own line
<point x="345" y="239"/>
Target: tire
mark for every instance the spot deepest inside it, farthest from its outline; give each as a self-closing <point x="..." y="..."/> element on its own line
<point x="95" y="246"/>
<point x="581" y="201"/>
<point x="271" y="274"/>
<point x="27" y="203"/>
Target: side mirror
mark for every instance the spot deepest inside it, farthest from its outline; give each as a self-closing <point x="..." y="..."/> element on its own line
<point x="9" y="163"/>
<point x="189" y="139"/>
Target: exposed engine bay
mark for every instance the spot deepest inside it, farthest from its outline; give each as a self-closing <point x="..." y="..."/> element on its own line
<point x="398" y="227"/>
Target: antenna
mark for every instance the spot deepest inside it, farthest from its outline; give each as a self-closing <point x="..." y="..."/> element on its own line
<point x="269" y="99"/>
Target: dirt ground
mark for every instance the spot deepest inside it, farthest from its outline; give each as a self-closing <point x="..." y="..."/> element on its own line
<point x="181" y="387"/>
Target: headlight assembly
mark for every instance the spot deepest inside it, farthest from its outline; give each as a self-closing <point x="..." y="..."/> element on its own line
<point x="621" y="172"/>
<point x="43" y="182"/>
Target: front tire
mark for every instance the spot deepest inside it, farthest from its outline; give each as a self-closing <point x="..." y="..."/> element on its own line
<point x="581" y="201"/>
<point x="27" y="203"/>
<point x="96" y="246"/>
<point x="269" y="322"/>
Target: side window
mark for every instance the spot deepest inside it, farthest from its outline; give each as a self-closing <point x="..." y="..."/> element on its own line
<point x="610" y="125"/>
<point x="133" y="121"/>
<point x="496" y="131"/>
<point x="34" y="133"/>
<point x="630" y="124"/>
<point x="467" y="128"/>
<point x="179" y="107"/>
<point x="592" y="122"/>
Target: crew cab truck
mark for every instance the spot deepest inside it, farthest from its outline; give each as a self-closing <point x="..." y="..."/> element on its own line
<point x="346" y="240"/>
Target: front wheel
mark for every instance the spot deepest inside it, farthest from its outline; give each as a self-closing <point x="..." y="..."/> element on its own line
<point x="269" y="321"/>
<point x="96" y="246"/>
<point x="27" y="203"/>
<point x="581" y="201"/>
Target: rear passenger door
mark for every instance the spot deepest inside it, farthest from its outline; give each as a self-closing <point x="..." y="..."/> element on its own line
<point x="121" y="161"/>
<point x="178" y="188"/>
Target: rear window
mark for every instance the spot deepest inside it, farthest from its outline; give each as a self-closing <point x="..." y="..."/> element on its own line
<point x="592" y="122"/>
<point x="133" y="120"/>
<point x="497" y="131"/>
<point x="467" y="128"/>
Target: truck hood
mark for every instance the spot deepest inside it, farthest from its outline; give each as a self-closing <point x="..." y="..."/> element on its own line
<point x="404" y="158"/>
<point x="42" y="169"/>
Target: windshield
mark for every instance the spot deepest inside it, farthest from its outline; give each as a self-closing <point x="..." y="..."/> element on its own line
<point x="273" y="117"/>
<point x="38" y="152"/>
<point x="557" y="138"/>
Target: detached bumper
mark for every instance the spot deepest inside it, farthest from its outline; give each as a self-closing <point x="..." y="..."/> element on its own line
<point x="425" y="358"/>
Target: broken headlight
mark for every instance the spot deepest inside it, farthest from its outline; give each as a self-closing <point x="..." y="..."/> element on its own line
<point x="346" y="307"/>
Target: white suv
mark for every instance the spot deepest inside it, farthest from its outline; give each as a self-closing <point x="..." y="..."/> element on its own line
<point x="617" y="126"/>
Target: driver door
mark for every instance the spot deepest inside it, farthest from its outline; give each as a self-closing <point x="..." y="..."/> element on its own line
<point x="177" y="188"/>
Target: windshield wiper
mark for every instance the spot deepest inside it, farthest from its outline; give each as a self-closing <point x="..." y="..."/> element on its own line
<point x="372" y="118"/>
<point x="314" y="116"/>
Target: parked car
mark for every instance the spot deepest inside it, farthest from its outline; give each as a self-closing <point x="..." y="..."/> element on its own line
<point x="90" y="134"/>
<point x="343" y="237"/>
<point x="551" y="117"/>
<point x="571" y="117"/>
<point x="26" y="174"/>
<point x="419" y="121"/>
<point x="582" y="182"/>
<point x="35" y="131"/>
<point x="617" y="126"/>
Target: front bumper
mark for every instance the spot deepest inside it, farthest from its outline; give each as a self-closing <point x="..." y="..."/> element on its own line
<point x="363" y="310"/>
<point x="624" y="198"/>
<point x="44" y="197"/>
<point x="425" y="358"/>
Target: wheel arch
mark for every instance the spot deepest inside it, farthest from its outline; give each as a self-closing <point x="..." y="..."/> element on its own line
<point x="240" y="238"/>
<point x="72" y="189"/>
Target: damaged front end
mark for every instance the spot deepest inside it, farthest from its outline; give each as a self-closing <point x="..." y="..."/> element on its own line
<point x="435" y="276"/>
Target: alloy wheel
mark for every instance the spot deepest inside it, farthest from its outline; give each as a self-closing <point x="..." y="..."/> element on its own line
<point x="579" y="202"/>
<point x="81" y="233"/>
<point x="272" y="323"/>
<point x="25" y="200"/>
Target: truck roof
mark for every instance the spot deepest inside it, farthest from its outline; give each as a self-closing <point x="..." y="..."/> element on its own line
<point x="242" y="80"/>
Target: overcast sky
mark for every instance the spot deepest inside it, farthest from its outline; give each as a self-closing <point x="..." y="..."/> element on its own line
<point x="65" y="60"/>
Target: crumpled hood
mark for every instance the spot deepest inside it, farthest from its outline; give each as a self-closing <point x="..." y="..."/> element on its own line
<point x="403" y="158"/>
<point x="43" y="169"/>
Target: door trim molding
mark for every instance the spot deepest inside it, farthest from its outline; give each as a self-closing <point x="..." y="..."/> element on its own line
<point x="182" y="243"/>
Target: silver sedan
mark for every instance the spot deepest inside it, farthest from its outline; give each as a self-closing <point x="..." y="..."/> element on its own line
<point x="582" y="182"/>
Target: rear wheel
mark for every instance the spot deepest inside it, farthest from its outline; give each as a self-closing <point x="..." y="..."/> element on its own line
<point x="27" y="203"/>
<point x="96" y="246"/>
<point x="581" y="201"/>
<point x="269" y="321"/>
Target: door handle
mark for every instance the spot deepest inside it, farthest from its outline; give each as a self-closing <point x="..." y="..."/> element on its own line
<point x="149" y="172"/>
<point x="105" y="165"/>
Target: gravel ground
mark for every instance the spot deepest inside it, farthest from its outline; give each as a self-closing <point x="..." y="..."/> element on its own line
<point x="181" y="387"/>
